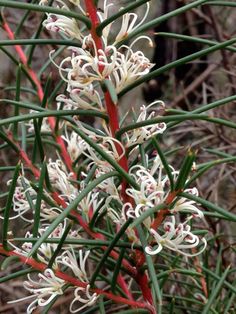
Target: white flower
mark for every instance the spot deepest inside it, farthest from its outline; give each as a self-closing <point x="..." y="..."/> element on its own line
<point x="103" y="16"/>
<point x="60" y="179"/>
<point x="87" y="64"/>
<point x="151" y="191"/>
<point x="45" y="126"/>
<point x="49" y="214"/>
<point x="107" y="143"/>
<point x="128" y="24"/>
<point x="119" y="216"/>
<point x="142" y="134"/>
<point x="185" y="204"/>
<point x="69" y="259"/>
<point x="82" y="98"/>
<point x="83" y="68"/>
<point x="75" y="144"/>
<point x="46" y="250"/>
<point x="90" y="203"/>
<point x="63" y="24"/>
<point x="87" y="300"/>
<point x="20" y="203"/>
<point x="130" y="66"/>
<point x="176" y="238"/>
<point x="107" y="185"/>
<point x="43" y="290"/>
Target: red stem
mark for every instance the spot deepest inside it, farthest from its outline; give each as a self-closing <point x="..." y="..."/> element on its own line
<point x="40" y="93"/>
<point x="112" y="111"/>
<point x="41" y="267"/>
<point x="24" y="157"/>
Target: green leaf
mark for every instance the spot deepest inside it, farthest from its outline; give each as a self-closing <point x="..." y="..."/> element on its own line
<point x="185" y="170"/>
<point x="6" y="139"/>
<point x="84" y="242"/>
<point x="222" y="3"/>
<point x="60" y="245"/>
<point x="36" y="35"/>
<point x="215" y="292"/>
<point x="174" y="119"/>
<point x="8" y="208"/>
<point x="193" y="39"/>
<point x="111" y="90"/>
<point x="117" y="270"/>
<point x="38" y="145"/>
<point x="8" y="261"/>
<point x="151" y="270"/>
<point x="117" y="237"/>
<point x="23" y="19"/>
<point x="137" y="311"/>
<point x="39" y="201"/>
<point x="17" y="274"/>
<point x="52" y="113"/>
<point x="218" y="278"/>
<point x="69" y="208"/>
<point x="164" y="162"/>
<point x="201" y="169"/>
<point x="17" y="98"/>
<point x="203" y="108"/>
<point x="22" y="104"/>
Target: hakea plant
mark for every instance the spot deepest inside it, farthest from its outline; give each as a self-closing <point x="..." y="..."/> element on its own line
<point x="106" y="188"/>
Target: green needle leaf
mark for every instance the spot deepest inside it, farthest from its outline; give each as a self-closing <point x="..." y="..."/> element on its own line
<point x="151" y="269"/>
<point x="39" y="201"/>
<point x="60" y="245"/>
<point x="17" y="98"/>
<point x="8" y="208"/>
<point x="109" y="249"/>
<point x="185" y="171"/>
<point x="69" y="208"/>
<point x="215" y="292"/>
<point x="17" y="274"/>
<point x="164" y="162"/>
<point x="111" y="90"/>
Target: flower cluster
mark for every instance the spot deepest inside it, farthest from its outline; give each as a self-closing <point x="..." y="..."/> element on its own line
<point x="85" y="67"/>
<point x="44" y="288"/>
<point x="112" y="201"/>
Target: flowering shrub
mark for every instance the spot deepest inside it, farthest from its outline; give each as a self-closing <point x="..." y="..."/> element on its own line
<point x="100" y="210"/>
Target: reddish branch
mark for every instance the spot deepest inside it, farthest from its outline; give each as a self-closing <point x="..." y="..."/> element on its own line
<point x="75" y="282"/>
<point x="112" y="111"/>
<point x="40" y="93"/>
